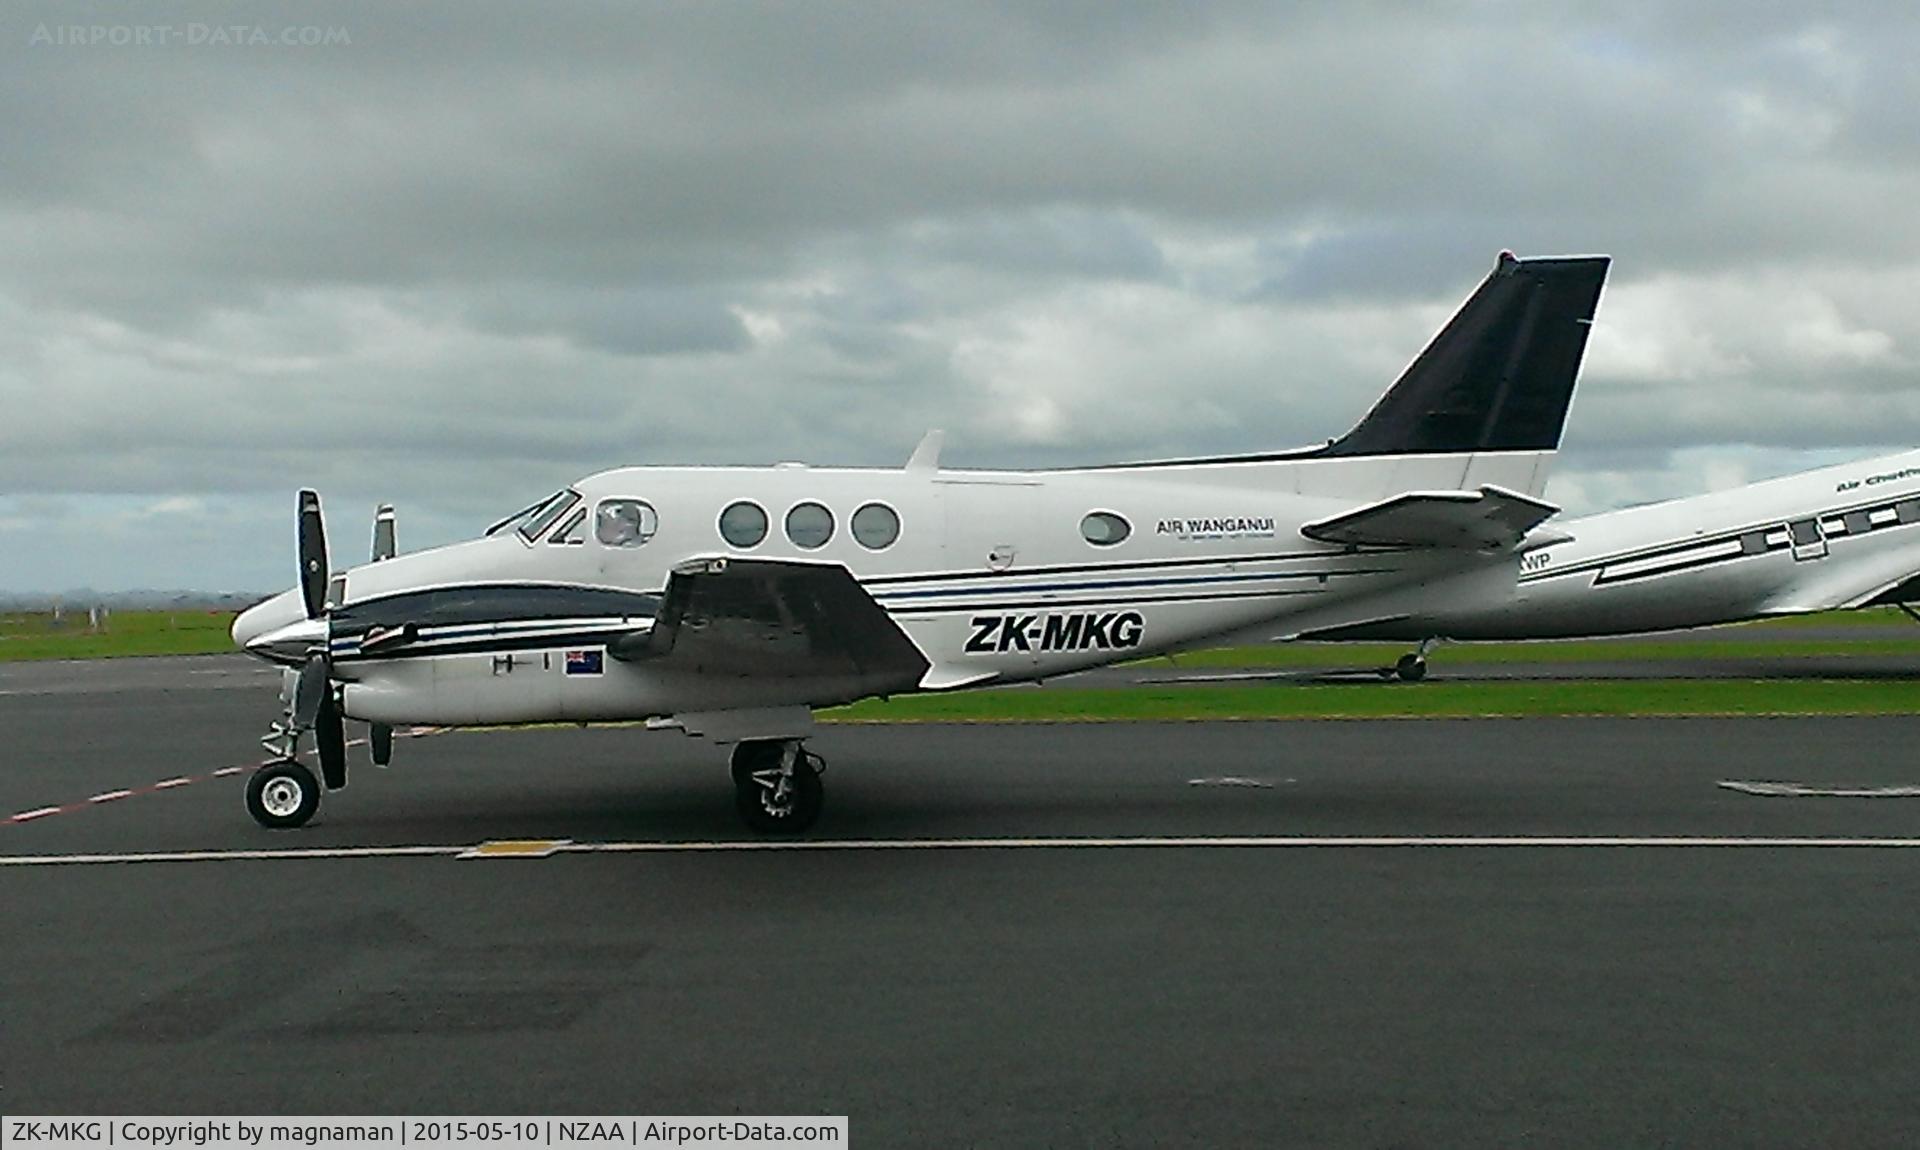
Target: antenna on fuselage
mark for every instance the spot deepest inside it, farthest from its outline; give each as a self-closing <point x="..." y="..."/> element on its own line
<point x="926" y="457"/>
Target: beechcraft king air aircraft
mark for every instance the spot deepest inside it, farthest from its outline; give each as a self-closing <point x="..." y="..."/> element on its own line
<point x="732" y="602"/>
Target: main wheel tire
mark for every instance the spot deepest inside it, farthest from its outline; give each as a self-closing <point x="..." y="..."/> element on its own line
<point x="1411" y="668"/>
<point x="282" y="795"/>
<point x="789" y="815"/>
<point x="756" y="755"/>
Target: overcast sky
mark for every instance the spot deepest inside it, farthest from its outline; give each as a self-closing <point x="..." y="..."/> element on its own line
<point x="455" y="255"/>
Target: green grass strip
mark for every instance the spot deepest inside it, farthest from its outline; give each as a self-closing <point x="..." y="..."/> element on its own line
<point x="24" y="636"/>
<point x="1379" y="701"/>
<point x="1560" y="651"/>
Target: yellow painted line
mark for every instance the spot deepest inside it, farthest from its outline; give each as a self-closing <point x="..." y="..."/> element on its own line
<point x="515" y="849"/>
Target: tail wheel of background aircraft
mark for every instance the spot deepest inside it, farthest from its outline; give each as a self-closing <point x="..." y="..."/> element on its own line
<point x="283" y="795"/>
<point x="1411" y="668"/>
<point x="777" y="787"/>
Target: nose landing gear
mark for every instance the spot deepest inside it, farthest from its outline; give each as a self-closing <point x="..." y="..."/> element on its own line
<point x="777" y="785"/>
<point x="282" y="795"/>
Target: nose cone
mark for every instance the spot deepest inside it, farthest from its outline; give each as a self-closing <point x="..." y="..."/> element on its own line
<point x="278" y="630"/>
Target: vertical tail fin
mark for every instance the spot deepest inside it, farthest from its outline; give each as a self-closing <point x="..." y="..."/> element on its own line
<point x="1500" y="375"/>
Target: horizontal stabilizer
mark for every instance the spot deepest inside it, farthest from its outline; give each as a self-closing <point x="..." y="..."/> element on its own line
<point x="1490" y="519"/>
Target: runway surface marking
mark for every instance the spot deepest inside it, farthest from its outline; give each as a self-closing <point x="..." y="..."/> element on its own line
<point x="178" y="781"/>
<point x="1808" y="791"/>
<point x="114" y="796"/>
<point x="515" y="849"/>
<point x="1241" y="842"/>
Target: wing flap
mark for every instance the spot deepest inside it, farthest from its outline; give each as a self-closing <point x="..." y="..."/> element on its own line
<point x="1490" y="519"/>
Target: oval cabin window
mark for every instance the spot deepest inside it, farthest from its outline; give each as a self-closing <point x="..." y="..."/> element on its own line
<point x="876" y="526"/>
<point x="809" y="525"/>
<point x="1104" y="528"/>
<point x="743" y="524"/>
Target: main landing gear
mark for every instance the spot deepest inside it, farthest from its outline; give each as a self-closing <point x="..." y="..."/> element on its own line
<point x="776" y="785"/>
<point x="1412" y="666"/>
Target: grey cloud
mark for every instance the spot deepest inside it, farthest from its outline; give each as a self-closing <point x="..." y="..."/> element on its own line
<point x="637" y="321"/>
<point x="484" y="248"/>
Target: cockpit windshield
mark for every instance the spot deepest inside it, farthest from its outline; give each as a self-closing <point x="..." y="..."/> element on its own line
<point x="531" y="520"/>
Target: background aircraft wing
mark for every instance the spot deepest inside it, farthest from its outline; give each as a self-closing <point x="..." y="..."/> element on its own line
<point x="1490" y="519"/>
<point x="770" y="618"/>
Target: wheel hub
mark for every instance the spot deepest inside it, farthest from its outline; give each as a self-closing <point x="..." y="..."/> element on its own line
<point x="281" y="797"/>
<point x="776" y="791"/>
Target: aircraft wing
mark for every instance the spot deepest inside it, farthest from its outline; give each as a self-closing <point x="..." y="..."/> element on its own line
<point x="754" y="618"/>
<point x="1490" y="519"/>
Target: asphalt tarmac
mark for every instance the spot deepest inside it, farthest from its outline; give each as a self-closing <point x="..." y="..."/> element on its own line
<point x="1631" y="954"/>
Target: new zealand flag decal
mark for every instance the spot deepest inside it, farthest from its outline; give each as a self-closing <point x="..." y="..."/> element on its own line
<point x="584" y="662"/>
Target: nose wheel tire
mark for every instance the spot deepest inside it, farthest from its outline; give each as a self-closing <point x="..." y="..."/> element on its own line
<point x="282" y="795"/>
<point x="1410" y="668"/>
<point x="777" y="787"/>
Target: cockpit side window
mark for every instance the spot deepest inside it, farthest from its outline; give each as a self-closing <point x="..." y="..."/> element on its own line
<point x="624" y="522"/>
<point x="547" y="514"/>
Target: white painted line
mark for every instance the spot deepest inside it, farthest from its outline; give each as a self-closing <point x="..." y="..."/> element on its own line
<point x="1259" y="842"/>
<point x="1230" y="781"/>
<point x="109" y="796"/>
<point x="225" y="771"/>
<point x="225" y="856"/>
<point x="165" y="784"/>
<point x="1803" y="790"/>
<point x="1241" y="842"/>
<point x="43" y="812"/>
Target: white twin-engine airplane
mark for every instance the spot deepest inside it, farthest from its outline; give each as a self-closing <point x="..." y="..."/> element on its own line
<point x="1825" y="540"/>
<point x="731" y="602"/>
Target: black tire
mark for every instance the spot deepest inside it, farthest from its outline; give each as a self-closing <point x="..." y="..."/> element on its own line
<point x="755" y="755"/>
<point x="1411" y="668"/>
<point x="283" y="795"/>
<point x="801" y="806"/>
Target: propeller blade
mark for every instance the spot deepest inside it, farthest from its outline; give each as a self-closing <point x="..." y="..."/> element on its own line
<point x="313" y="554"/>
<point x="380" y="741"/>
<point x="331" y="740"/>
<point x="310" y="691"/>
<point x="385" y="544"/>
